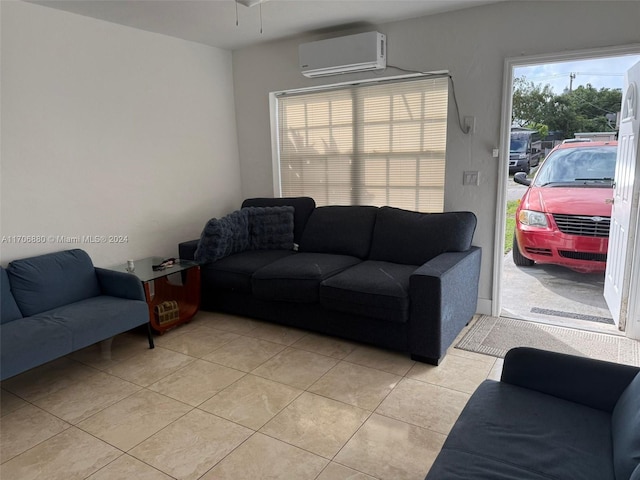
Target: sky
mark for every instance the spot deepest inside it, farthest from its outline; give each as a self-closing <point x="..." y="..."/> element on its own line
<point x="601" y="72"/>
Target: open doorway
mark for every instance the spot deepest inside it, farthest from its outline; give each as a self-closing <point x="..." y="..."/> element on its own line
<point x="568" y="98"/>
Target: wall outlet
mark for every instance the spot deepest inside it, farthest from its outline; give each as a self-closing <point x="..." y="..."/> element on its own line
<point x="471" y="178"/>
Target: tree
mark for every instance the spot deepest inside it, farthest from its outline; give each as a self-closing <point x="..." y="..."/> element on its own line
<point x="582" y="110"/>
<point x="529" y="105"/>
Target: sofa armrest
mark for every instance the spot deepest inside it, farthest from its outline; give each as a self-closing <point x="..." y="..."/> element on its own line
<point x="594" y="383"/>
<point x="444" y="298"/>
<point x="120" y="284"/>
<point x="187" y="250"/>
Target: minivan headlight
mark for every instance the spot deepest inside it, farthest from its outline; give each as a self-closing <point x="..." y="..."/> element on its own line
<point x="532" y="218"/>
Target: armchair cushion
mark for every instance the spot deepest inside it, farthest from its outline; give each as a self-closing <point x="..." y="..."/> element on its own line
<point x="48" y="281"/>
<point x="625" y="425"/>
<point x="520" y="429"/>
<point x="96" y="318"/>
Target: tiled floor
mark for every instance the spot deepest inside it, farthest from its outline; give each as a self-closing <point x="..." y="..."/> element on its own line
<point x="225" y="397"/>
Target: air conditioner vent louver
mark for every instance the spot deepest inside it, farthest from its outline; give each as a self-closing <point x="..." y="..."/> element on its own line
<point x="335" y="56"/>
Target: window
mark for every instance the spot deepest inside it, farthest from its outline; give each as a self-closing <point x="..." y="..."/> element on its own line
<point x="380" y="144"/>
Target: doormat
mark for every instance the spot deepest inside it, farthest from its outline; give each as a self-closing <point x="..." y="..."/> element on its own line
<point x="495" y="336"/>
<point x="576" y="316"/>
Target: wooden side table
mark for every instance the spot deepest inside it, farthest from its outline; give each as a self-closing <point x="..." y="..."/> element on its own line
<point x="164" y="285"/>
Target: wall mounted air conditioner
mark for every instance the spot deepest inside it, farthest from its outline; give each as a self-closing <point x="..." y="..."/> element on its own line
<point x="353" y="53"/>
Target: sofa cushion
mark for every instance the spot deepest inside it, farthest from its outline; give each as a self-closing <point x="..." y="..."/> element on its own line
<point x="96" y="318"/>
<point x="413" y="238"/>
<point x="371" y="289"/>
<point x="625" y="427"/>
<point x="234" y="272"/>
<point x="297" y="278"/>
<point x="343" y="230"/>
<point x="526" y="430"/>
<point x="48" y="281"/>
<point x="270" y="228"/>
<point x="303" y="206"/>
<point x="44" y="338"/>
<point x="223" y="237"/>
<point x="9" y="310"/>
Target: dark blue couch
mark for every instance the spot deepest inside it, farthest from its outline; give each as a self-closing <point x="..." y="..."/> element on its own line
<point x="552" y="416"/>
<point x="394" y="278"/>
<point x="54" y="304"/>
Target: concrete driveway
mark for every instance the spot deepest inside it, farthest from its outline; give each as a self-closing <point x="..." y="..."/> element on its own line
<point x="555" y="295"/>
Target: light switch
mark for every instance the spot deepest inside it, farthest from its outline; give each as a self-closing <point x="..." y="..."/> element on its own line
<point x="471" y="178"/>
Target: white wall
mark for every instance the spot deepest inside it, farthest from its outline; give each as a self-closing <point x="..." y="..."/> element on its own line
<point x="108" y="130"/>
<point x="472" y="44"/>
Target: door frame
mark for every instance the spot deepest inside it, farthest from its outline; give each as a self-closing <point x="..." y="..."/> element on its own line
<point x="510" y="63"/>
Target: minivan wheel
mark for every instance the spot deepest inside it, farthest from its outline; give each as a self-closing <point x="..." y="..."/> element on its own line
<point x="519" y="259"/>
<point x="527" y="168"/>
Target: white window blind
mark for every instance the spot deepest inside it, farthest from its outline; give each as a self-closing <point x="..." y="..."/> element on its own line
<point x="381" y="144"/>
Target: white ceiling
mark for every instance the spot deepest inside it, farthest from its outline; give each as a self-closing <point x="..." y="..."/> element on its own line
<point x="213" y="22"/>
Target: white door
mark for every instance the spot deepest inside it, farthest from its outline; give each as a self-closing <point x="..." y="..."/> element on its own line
<point x="622" y="240"/>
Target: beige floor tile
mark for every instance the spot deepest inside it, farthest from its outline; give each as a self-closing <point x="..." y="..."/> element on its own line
<point x="123" y="346"/>
<point x="149" y="367"/>
<point x="197" y="382"/>
<point x="10" y="402"/>
<point x="230" y="323"/>
<point x="380" y="359"/>
<point x="296" y="368"/>
<point x="48" y="378"/>
<point x="128" y="468"/>
<point x="245" y="353"/>
<point x="25" y="428"/>
<point x="277" y="333"/>
<point x="251" y="401"/>
<point x="134" y="419"/>
<point x="424" y="404"/>
<point x="458" y="373"/>
<point x="335" y="471"/>
<point x="191" y="445"/>
<point x="316" y="424"/>
<point x="391" y="450"/>
<point x="262" y="457"/>
<point x="356" y="385"/>
<point x="196" y="342"/>
<point x="496" y="370"/>
<point x="326" y="345"/>
<point x="83" y="399"/>
<point x="70" y="455"/>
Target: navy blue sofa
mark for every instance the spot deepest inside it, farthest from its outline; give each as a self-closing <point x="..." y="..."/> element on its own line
<point x="54" y="304"/>
<point x="551" y="416"/>
<point x="394" y="278"/>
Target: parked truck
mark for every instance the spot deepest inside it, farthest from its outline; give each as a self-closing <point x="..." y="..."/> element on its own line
<point x="525" y="150"/>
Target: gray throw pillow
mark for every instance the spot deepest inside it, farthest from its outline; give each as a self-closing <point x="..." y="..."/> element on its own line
<point x="223" y="237"/>
<point x="270" y="228"/>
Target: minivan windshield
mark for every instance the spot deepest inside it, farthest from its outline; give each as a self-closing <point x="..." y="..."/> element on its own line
<point x="580" y="166"/>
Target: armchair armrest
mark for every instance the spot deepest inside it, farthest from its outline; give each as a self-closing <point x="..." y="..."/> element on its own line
<point x="594" y="383"/>
<point x="187" y="250"/>
<point x="120" y="284"/>
<point x="444" y="298"/>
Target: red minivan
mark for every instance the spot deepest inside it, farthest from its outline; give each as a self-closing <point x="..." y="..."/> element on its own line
<point x="564" y="216"/>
